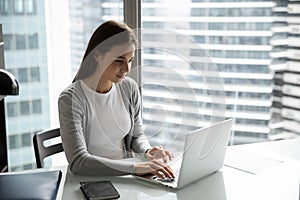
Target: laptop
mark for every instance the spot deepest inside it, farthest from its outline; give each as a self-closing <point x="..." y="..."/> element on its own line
<point x="204" y="153"/>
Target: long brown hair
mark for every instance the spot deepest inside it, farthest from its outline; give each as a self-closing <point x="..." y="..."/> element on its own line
<point x="107" y="35"/>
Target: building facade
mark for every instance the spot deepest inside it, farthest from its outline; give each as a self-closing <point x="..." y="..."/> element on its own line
<point x="285" y="66"/>
<point x="24" y="35"/>
<point x="236" y="38"/>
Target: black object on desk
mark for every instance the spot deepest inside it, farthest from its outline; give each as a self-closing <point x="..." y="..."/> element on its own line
<point x="8" y="86"/>
<point x="34" y="185"/>
<point x="94" y="190"/>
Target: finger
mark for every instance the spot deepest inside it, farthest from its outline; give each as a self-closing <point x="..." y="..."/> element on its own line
<point x="170" y="171"/>
<point x="164" y="156"/>
<point x="149" y="156"/>
<point x="165" y="169"/>
<point x="169" y="154"/>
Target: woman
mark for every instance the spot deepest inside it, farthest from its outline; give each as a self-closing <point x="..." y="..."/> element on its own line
<point x="100" y="112"/>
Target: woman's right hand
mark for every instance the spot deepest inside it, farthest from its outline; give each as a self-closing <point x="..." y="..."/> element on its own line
<point x="156" y="167"/>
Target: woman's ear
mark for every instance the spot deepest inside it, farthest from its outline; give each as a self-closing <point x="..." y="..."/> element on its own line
<point x="98" y="56"/>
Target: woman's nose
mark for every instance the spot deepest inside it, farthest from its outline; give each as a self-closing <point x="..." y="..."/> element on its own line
<point x="126" y="67"/>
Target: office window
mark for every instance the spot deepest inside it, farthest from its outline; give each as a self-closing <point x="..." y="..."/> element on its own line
<point x="32" y="61"/>
<point x="12" y="109"/>
<point x="8" y="41"/>
<point x="16" y="41"/>
<point x="23" y="75"/>
<point x="36" y="106"/>
<point x="18" y="7"/>
<point x="30" y="7"/>
<point x="33" y="41"/>
<point x="185" y="50"/>
<point x="26" y="139"/>
<point x="20" y="42"/>
<point x="173" y="94"/>
<point x="35" y="74"/>
<point x="24" y="108"/>
<point x="4" y="7"/>
<point x="14" y="142"/>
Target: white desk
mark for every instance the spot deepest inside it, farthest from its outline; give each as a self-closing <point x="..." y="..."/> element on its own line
<point x="279" y="182"/>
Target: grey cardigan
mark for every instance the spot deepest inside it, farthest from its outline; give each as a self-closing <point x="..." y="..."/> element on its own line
<point x="74" y="116"/>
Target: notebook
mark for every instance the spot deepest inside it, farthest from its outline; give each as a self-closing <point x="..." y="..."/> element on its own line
<point x="34" y="185"/>
<point x="204" y="152"/>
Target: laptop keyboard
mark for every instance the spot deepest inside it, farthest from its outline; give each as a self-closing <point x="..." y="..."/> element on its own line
<point x="169" y="180"/>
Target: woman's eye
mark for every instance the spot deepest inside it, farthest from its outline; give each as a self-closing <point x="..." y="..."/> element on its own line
<point x="118" y="61"/>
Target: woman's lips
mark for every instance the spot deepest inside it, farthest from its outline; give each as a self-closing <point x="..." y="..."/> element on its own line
<point x="121" y="76"/>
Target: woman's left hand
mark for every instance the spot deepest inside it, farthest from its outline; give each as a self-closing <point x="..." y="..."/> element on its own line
<point x="157" y="152"/>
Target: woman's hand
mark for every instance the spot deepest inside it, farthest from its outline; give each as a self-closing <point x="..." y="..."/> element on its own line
<point x="156" y="167"/>
<point x="158" y="152"/>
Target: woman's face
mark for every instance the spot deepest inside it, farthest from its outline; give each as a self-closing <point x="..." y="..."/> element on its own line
<point x="120" y="58"/>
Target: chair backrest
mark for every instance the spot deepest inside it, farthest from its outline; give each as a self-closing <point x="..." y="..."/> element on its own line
<point x="40" y="150"/>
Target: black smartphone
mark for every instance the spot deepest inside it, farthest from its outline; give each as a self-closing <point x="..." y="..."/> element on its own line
<point x="94" y="190"/>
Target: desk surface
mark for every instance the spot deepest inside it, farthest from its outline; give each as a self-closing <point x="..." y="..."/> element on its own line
<point x="278" y="182"/>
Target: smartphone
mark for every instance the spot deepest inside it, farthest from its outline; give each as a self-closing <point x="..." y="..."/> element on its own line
<point x="94" y="190"/>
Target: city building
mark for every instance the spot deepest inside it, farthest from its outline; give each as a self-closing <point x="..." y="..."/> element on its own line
<point x="31" y="48"/>
<point x="24" y="34"/>
<point x="236" y="37"/>
<point x="285" y="66"/>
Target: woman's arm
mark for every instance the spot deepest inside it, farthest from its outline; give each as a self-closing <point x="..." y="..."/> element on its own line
<point x="71" y="117"/>
<point x="140" y="143"/>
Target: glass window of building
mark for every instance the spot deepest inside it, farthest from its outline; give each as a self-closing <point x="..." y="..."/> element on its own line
<point x="26" y="139"/>
<point x="20" y="42"/>
<point x="23" y="75"/>
<point x="201" y="44"/>
<point x="14" y="141"/>
<point x="29" y="6"/>
<point x="35" y="74"/>
<point x="36" y="106"/>
<point x="12" y="110"/>
<point x="27" y="29"/>
<point x="4" y="7"/>
<point x="24" y="108"/>
<point x="33" y="41"/>
<point x="18" y="6"/>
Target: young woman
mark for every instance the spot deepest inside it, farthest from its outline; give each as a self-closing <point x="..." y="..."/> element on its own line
<point x="100" y="112"/>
